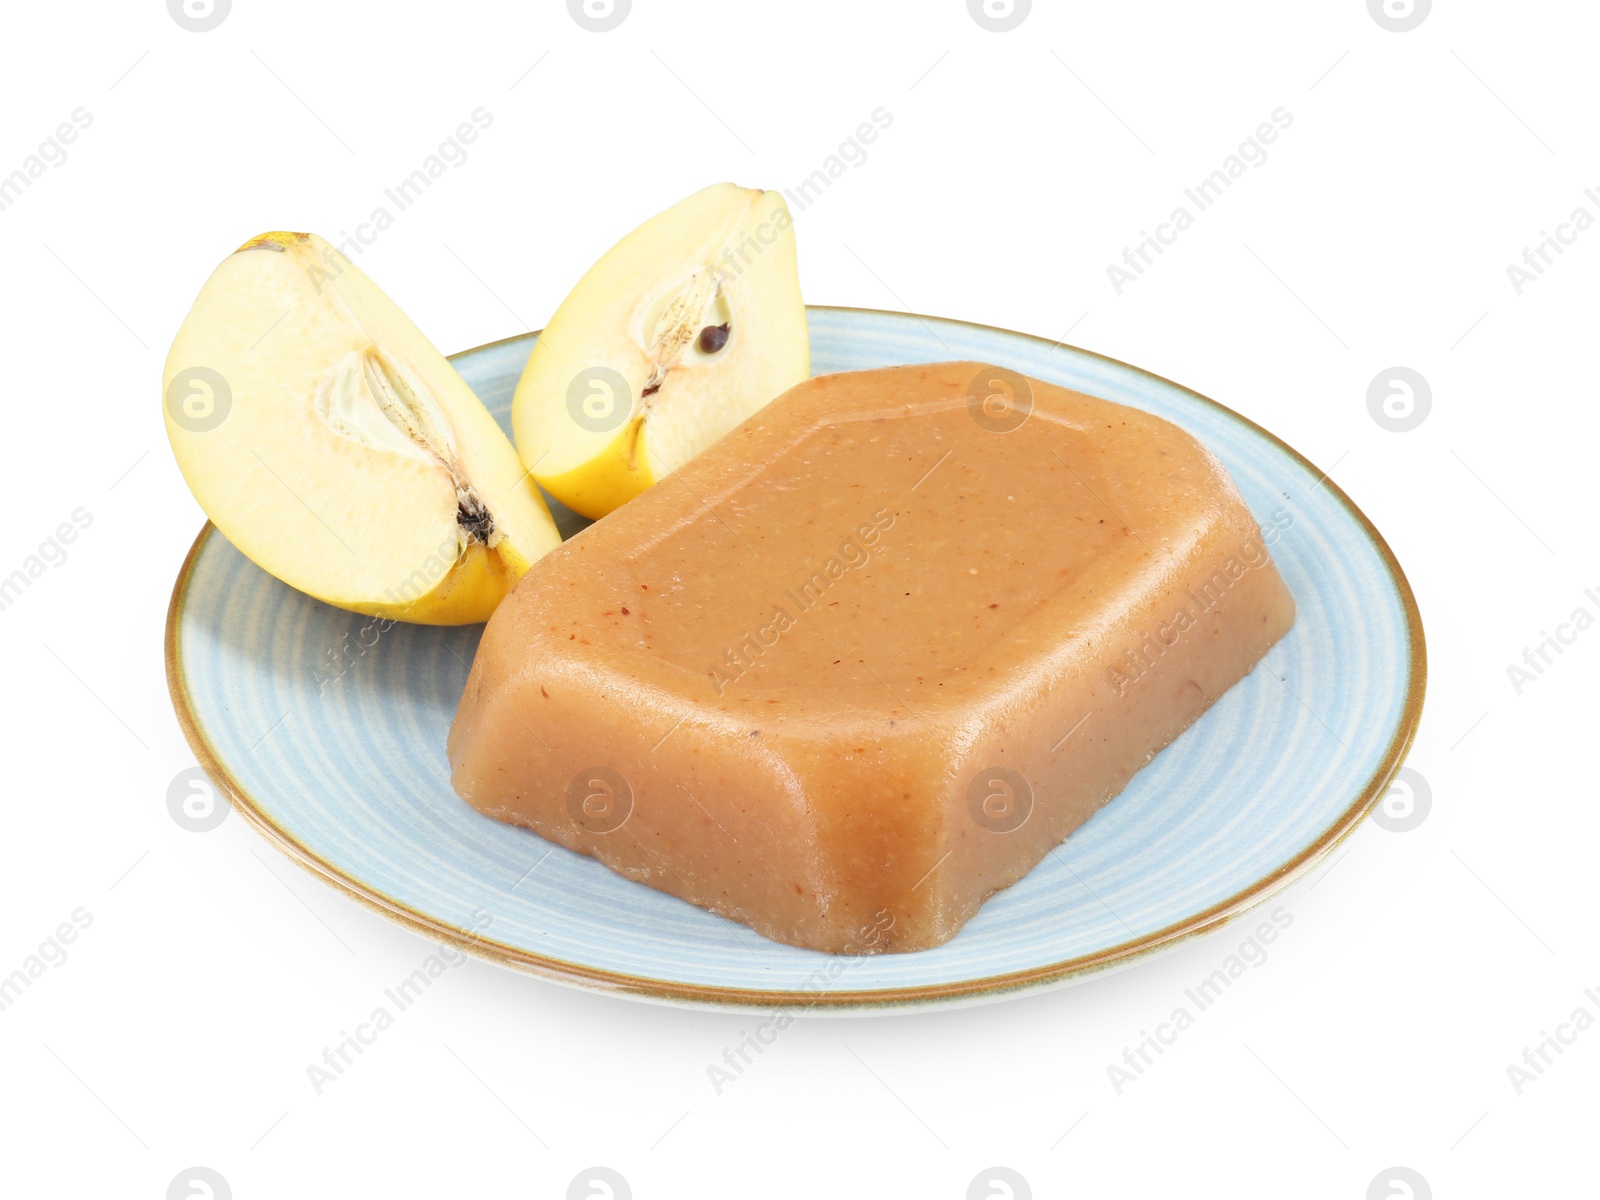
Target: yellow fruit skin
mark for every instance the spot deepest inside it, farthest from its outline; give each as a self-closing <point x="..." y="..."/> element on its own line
<point x="469" y="592"/>
<point x="608" y="480"/>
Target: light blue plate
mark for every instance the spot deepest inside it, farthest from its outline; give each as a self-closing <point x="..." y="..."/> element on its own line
<point x="343" y="767"/>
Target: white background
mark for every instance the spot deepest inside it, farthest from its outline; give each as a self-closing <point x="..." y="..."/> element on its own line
<point x="1019" y="164"/>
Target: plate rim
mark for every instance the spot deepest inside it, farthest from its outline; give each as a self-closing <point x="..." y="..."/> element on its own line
<point x="990" y="987"/>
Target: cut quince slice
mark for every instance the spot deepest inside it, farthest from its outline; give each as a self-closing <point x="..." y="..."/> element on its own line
<point x="683" y="329"/>
<point x="329" y="441"/>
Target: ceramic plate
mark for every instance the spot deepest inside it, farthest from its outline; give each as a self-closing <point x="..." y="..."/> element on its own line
<point x="334" y="748"/>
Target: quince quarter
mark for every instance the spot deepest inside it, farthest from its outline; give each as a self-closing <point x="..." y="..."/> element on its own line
<point x="329" y="441"/>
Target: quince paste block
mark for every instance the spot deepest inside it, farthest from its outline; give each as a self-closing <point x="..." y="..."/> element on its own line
<point x="870" y="656"/>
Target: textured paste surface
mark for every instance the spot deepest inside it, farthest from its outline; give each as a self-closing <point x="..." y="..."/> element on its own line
<point x="872" y="655"/>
